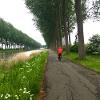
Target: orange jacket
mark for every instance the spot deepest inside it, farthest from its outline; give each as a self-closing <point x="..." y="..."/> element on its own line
<point x="60" y="50"/>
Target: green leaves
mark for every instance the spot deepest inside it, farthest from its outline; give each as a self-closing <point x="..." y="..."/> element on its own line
<point x="94" y="45"/>
<point x="23" y="81"/>
<point x="49" y="15"/>
<point x="96" y="9"/>
<point x="44" y="10"/>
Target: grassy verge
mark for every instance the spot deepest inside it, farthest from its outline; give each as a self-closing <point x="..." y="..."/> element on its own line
<point x="91" y="61"/>
<point x="23" y="80"/>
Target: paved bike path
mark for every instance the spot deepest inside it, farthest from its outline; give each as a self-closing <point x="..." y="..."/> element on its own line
<point x="68" y="81"/>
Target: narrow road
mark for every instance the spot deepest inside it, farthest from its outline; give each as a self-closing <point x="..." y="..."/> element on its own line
<point x="68" y="81"/>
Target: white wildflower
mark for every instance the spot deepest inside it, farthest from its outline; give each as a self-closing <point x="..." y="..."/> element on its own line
<point x="24" y="76"/>
<point x="16" y="96"/>
<point x="21" y="68"/>
<point x="7" y="96"/>
<point x="28" y="66"/>
<point x="28" y="92"/>
<point x="31" y="95"/>
<point x="24" y="90"/>
<point x="30" y="98"/>
<point x="29" y="70"/>
<point x="20" y="89"/>
<point x="1" y="95"/>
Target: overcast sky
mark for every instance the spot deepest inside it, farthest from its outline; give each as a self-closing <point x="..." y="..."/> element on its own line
<point x="16" y="13"/>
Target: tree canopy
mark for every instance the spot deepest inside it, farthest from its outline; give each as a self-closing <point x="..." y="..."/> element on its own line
<point x="49" y="17"/>
<point x="56" y="18"/>
<point x="94" y="44"/>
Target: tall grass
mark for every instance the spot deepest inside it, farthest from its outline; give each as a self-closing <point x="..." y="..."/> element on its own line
<point x="22" y="81"/>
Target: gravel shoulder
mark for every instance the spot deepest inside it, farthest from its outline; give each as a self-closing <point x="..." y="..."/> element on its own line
<point x="68" y="81"/>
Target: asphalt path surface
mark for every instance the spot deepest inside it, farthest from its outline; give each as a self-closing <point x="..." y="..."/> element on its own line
<point x="68" y="81"/>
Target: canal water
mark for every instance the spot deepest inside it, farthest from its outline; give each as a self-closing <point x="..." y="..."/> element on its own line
<point x="9" y="55"/>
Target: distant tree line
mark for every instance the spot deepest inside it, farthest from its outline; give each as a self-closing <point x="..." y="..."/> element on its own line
<point x="12" y="38"/>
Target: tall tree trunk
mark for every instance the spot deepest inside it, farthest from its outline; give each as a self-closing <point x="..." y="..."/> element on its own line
<point x="60" y="26"/>
<point x="6" y="44"/>
<point x="53" y="44"/>
<point x="65" y="26"/>
<point x="70" y="40"/>
<point x="9" y="45"/>
<point x="81" y="48"/>
<point x="66" y="36"/>
<point x="57" y="40"/>
<point x="68" y="29"/>
<point x="2" y="43"/>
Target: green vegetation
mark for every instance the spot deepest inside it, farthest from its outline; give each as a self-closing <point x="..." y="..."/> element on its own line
<point x="12" y="38"/>
<point x="91" y="61"/>
<point x="23" y="80"/>
<point x="57" y="18"/>
<point x="94" y="45"/>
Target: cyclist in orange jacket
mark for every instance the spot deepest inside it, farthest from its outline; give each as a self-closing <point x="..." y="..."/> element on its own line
<point x="59" y="51"/>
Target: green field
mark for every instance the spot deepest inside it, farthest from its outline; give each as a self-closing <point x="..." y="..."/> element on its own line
<point x="23" y="80"/>
<point x="91" y="61"/>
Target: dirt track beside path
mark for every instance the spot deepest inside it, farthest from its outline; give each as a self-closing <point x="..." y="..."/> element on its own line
<point x="68" y="81"/>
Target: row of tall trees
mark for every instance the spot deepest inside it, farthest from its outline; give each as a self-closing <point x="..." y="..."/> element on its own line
<point x="11" y="38"/>
<point x="56" y="18"/>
